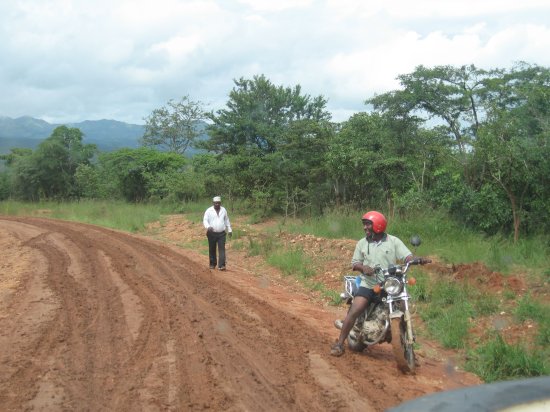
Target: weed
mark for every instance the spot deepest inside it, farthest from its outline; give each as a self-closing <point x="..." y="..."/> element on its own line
<point x="496" y="360"/>
<point x="292" y="262"/>
<point x="543" y="337"/>
<point x="485" y="304"/>
<point x="509" y="294"/>
<point x="261" y="246"/>
<point x="419" y="292"/>
<point x="528" y="308"/>
<point x="450" y="327"/>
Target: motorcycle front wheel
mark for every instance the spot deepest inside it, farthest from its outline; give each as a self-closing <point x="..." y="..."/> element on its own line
<point x="403" y="351"/>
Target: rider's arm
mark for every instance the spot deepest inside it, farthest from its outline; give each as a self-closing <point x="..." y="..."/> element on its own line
<point x="366" y="270"/>
<point x="358" y="259"/>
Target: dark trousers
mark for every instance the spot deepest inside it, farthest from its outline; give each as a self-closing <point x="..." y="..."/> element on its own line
<point x="216" y="240"/>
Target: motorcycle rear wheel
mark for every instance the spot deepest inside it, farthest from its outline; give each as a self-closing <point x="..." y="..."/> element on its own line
<point x="403" y="352"/>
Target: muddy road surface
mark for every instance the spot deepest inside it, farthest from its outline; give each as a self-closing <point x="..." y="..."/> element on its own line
<point x="93" y="319"/>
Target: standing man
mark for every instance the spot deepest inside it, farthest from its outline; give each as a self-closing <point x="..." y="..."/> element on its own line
<point x="216" y="222"/>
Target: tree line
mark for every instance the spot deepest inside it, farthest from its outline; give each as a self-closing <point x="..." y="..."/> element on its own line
<point x="474" y="143"/>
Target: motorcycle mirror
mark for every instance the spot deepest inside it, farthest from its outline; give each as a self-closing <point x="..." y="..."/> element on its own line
<point x="415" y="241"/>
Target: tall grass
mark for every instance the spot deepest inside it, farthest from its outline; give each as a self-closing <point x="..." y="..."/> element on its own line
<point x="131" y="217"/>
<point x="447" y="312"/>
<point x="331" y="226"/>
<point x="496" y="361"/>
<point x="292" y="262"/>
<point x="528" y="308"/>
<point x="110" y="213"/>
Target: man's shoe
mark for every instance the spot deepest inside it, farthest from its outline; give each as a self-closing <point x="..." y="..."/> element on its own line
<point x="222" y="268"/>
<point x="337" y="349"/>
<point x="212" y="267"/>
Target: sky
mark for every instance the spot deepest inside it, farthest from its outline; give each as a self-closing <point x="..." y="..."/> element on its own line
<point x="66" y="61"/>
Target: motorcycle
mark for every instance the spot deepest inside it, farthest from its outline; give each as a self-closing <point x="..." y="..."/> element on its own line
<point x="387" y="318"/>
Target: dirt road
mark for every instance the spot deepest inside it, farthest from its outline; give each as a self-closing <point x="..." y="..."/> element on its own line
<point x="93" y="319"/>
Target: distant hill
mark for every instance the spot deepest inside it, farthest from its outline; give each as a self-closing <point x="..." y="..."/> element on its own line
<point x="107" y="135"/>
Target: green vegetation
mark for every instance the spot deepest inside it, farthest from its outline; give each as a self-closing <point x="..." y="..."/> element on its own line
<point x="530" y="309"/>
<point x="131" y="217"/>
<point x="447" y="313"/>
<point x="292" y="262"/>
<point x="496" y="361"/>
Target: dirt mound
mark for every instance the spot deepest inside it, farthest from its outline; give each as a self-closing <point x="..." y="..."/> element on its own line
<point x="478" y="274"/>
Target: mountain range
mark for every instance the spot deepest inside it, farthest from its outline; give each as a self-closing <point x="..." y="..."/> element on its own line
<point x="107" y="135"/>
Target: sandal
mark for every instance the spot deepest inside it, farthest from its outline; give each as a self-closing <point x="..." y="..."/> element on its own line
<point x="337" y="349"/>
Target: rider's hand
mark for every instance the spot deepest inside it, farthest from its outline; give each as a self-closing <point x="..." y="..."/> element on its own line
<point x="230" y="234"/>
<point x="210" y="229"/>
<point x="367" y="270"/>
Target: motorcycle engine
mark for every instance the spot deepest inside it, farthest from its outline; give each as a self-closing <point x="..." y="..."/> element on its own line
<point x="375" y="325"/>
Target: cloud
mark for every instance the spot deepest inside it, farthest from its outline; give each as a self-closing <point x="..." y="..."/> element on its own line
<point x="71" y="60"/>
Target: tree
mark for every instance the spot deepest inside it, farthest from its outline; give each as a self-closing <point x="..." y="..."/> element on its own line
<point x="175" y="126"/>
<point x="50" y="170"/>
<point x="258" y="113"/>
<point x="375" y="158"/>
<point x="140" y="174"/>
<point x="513" y="148"/>
<point x="270" y="142"/>
<point x="449" y="94"/>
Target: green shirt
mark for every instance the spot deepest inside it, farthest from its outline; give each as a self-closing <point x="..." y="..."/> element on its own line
<point x="383" y="254"/>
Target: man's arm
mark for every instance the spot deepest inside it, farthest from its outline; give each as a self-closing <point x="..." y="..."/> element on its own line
<point x="205" y="221"/>
<point x="367" y="270"/>
<point x="357" y="262"/>
<point x="227" y="223"/>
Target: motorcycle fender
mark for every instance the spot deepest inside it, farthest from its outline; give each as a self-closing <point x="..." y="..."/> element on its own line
<point x="396" y="314"/>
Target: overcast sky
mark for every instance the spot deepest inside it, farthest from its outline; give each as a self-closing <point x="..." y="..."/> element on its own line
<point x="73" y="60"/>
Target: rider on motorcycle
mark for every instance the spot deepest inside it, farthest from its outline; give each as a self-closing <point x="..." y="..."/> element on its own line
<point x="377" y="248"/>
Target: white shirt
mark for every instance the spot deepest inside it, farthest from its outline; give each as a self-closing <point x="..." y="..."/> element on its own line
<point x="218" y="221"/>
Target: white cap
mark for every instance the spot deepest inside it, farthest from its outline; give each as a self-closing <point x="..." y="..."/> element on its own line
<point x="217" y="199"/>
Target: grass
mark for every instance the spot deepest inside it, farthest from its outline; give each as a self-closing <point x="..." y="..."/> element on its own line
<point x="448" y="309"/>
<point x="292" y="261"/>
<point x="530" y="309"/>
<point x="446" y="312"/>
<point x="497" y="361"/>
<point x="131" y="217"/>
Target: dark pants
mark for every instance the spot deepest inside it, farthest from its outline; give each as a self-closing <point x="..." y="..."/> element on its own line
<point x="216" y="240"/>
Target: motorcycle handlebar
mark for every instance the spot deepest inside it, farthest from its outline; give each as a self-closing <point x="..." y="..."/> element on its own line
<point x="392" y="269"/>
<point x="419" y="261"/>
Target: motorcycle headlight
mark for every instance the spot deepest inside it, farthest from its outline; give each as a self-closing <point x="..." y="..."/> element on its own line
<point x="393" y="286"/>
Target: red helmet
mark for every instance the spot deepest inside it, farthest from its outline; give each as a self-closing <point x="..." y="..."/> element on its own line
<point x="378" y="220"/>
